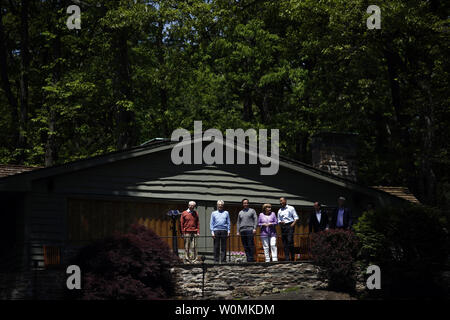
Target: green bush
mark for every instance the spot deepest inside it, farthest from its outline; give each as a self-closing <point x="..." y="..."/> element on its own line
<point x="335" y="251"/>
<point x="409" y="244"/>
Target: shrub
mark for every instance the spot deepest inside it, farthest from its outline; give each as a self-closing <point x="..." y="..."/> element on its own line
<point x="130" y="266"/>
<point x="409" y="244"/>
<point x="335" y="251"/>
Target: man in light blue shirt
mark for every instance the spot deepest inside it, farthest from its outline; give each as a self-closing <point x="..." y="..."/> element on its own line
<point x="287" y="217"/>
<point x="342" y="216"/>
<point x="220" y="230"/>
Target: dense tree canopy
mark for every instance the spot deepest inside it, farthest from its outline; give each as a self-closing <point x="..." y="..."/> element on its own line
<point x="137" y="70"/>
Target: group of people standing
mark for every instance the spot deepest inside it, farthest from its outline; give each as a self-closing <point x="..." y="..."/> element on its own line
<point x="247" y="223"/>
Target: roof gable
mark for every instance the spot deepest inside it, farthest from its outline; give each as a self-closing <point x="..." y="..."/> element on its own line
<point x="22" y="181"/>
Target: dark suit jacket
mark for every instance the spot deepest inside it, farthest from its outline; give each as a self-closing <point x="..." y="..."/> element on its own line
<point x="347" y="218"/>
<point x="314" y="225"/>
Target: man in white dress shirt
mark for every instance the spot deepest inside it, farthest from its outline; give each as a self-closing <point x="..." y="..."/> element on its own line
<point x="287" y="217"/>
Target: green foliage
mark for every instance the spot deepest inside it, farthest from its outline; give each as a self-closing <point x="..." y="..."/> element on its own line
<point x="410" y="245"/>
<point x="138" y="70"/>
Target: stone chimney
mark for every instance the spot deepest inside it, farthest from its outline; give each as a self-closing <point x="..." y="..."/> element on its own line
<point x="335" y="153"/>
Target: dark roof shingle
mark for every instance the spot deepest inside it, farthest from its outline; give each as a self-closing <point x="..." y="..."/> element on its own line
<point x="401" y="192"/>
<point x="12" y="169"/>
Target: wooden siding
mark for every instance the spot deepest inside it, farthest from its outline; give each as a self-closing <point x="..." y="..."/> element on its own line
<point x="90" y="219"/>
<point x="45" y="224"/>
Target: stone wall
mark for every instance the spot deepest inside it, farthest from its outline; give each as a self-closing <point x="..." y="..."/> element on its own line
<point x="335" y="153"/>
<point x="244" y="280"/>
<point x="221" y="281"/>
<point x="48" y="284"/>
<point x="227" y="281"/>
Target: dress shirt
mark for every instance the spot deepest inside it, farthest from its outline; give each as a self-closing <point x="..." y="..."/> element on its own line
<point x="287" y="214"/>
<point x="319" y="215"/>
<point x="340" y="218"/>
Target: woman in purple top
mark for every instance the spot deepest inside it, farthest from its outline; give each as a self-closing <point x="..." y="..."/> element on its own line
<point x="267" y="221"/>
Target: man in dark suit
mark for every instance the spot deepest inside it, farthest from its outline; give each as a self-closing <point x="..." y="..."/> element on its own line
<point x="318" y="220"/>
<point x="342" y="216"/>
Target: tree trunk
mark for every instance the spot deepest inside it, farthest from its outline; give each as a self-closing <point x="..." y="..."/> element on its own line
<point x="6" y="85"/>
<point x="395" y="87"/>
<point x="247" y="105"/>
<point x="263" y="106"/>
<point x="50" y="144"/>
<point x="163" y="95"/>
<point x="25" y="66"/>
<point x="51" y="152"/>
<point x="301" y="143"/>
<point x="126" y="132"/>
<point x="400" y="130"/>
<point x="428" y="181"/>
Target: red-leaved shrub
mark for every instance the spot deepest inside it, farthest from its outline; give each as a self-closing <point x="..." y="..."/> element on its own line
<point x="335" y="252"/>
<point x="130" y="266"/>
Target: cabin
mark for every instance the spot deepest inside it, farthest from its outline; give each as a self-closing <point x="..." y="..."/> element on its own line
<point x="48" y="213"/>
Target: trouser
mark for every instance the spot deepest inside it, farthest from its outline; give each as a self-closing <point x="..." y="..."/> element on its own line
<point x="287" y="236"/>
<point x="190" y="246"/>
<point x="249" y="244"/>
<point x="220" y="245"/>
<point x="273" y="248"/>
